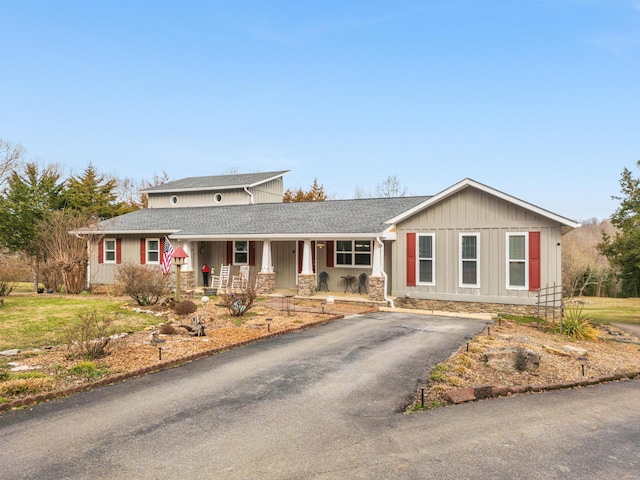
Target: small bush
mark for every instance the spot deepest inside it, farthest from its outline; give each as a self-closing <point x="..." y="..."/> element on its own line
<point x="185" y="307"/>
<point x="88" y="337"/>
<point x="143" y="283"/>
<point x="238" y="304"/>
<point x="88" y="370"/>
<point x="26" y="386"/>
<point x="167" y="330"/>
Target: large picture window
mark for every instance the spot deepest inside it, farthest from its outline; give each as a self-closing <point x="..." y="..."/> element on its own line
<point x="517" y="260"/>
<point x="426" y="260"/>
<point x="153" y="250"/>
<point x="241" y="252"/>
<point x="469" y="260"/>
<point x="351" y="253"/>
<point x="110" y="250"/>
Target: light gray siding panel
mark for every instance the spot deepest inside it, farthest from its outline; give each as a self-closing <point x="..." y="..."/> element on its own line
<point x="270" y="192"/>
<point x="199" y="199"/>
<point x="474" y="211"/>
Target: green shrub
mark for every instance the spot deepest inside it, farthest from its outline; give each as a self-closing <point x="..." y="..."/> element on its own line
<point x="88" y="370"/>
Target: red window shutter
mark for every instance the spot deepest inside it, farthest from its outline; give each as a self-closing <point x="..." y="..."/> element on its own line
<point x="161" y="255"/>
<point x="534" y="260"/>
<point x="230" y="252"/>
<point x="118" y="250"/>
<point x="101" y="251"/>
<point x="300" y="250"/>
<point x="313" y="256"/>
<point x="329" y="260"/>
<point x="411" y="259"/>
<point x="252" y="253"/>
<point x="143" y="251"/>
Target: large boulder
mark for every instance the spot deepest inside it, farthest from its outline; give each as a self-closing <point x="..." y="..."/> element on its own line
<point x="512" y="358"/>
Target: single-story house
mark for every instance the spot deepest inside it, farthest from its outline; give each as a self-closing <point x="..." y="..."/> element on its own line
<point x="469" y="247"/>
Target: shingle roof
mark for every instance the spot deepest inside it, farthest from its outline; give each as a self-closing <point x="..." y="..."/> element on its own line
<point x="220" y="182"/>
<point x="362" y="216"/>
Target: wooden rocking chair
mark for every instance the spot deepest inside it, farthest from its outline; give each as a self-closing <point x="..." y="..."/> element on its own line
<point x="221" y="281"/>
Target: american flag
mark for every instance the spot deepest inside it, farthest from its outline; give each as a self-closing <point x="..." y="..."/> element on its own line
<point x="166" y="257"/>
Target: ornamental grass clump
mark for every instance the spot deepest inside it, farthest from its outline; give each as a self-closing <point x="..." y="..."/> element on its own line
<point x="576" y="325"/>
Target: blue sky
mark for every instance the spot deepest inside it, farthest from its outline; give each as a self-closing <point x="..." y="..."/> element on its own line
<point x="537" y="98"/>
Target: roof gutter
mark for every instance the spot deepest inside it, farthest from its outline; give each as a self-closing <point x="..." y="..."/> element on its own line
<point x="384" y="274"/>
<point x="250" y="195"/>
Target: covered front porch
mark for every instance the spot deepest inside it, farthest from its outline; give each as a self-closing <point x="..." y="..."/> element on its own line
<point x="352" y="268"/>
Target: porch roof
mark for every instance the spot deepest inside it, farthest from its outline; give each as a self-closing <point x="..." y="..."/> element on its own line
<point x="364" y="217"/>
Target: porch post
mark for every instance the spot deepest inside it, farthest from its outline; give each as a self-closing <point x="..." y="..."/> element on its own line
<point x="377" y="280"/>
<point x="306" y="279"/>
<point x="266" y="257"/>
<point x="377" y="260"/>
<point x="307" y="267"/>
<point x="266" y="278"/>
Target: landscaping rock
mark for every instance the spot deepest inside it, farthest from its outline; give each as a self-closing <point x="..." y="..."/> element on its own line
<point x="10" y="353"/>
<point x="576" y="351"/>
<point x="512" y="358"/>
<point x="460" y="395"/>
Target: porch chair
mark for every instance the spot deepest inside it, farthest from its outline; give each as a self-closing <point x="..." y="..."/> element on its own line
<point x="362" y="283"/>
<point x="222" y="280"/>
<point x="241" y="280"/>
<point x="322" y="280"/>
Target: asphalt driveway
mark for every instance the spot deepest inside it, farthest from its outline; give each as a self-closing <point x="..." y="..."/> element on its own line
<point x="321" y="403"/>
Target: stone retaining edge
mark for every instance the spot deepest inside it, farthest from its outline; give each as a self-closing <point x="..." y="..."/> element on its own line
<point x="121" y="377"/>
<point x="481" y="392"/>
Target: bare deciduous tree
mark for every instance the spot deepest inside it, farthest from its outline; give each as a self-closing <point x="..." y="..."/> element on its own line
<point x="11" y="158"/>
<point x="583" y="266"/>
<point x="391" y="187"/>
<point x="65" y="253"/>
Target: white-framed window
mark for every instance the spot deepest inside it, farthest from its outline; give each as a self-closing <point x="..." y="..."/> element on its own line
<point x="517" y="261"/>
<point x="469" y="273"/>
<point x="153" y="250"/>
<point x="241" y="252"/>
<point x="426" y="259"/>
<point x="217" y="197"/>
<point x="173" y="200"/>
<point x="110" y="247"/>
<point x="353" y="253"/>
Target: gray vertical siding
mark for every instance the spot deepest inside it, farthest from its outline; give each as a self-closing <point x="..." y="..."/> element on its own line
<point x="474" y="211"/>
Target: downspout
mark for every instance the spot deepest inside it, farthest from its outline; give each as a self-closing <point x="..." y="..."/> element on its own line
<point x="250" y="195"/>
<point x="384" y="274"/>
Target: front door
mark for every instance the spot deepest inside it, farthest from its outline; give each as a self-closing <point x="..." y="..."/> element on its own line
<point x="283" y="257"/>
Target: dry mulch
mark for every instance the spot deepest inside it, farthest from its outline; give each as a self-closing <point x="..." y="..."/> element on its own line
<point x="616" y="352"/>
<point x="137" y="351"/>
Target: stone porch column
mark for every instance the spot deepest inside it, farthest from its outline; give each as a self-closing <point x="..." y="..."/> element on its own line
<point x="307" y="279"/>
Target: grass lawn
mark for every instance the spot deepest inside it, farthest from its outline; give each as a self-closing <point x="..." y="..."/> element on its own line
<point x="37" y="320"/>
<point x="608" y="310"/>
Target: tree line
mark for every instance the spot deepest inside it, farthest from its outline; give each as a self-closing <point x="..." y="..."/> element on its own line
<point x="39" y="207"/>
